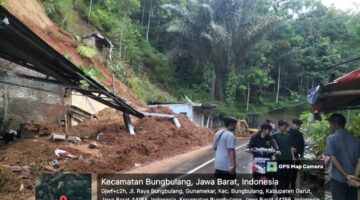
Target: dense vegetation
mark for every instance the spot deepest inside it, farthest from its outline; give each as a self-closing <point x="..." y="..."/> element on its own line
<point x="247" y="55"/>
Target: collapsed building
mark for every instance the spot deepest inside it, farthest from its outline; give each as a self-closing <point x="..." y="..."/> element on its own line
<point x="35" y="73"/>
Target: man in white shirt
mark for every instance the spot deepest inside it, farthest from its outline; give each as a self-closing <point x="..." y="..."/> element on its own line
<point x="224" y="146"/>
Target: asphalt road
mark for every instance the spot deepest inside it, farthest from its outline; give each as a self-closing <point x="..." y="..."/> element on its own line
<point x="204" y="164"/>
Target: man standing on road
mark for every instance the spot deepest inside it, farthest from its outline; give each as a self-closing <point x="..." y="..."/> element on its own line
<point x="283" y="140"/>
<point x="344" y="151"/>
<point x="298" y="142"/>
<point x="224" y="145"/>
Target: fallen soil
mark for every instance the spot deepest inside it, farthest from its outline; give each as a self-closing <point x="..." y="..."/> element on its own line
<point x="117" y="151"/>
<point x="33" y="15"/>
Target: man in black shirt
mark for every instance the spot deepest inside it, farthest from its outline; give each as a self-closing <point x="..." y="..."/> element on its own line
<point x="263" y="138"/>
<point x="298" y="142"/>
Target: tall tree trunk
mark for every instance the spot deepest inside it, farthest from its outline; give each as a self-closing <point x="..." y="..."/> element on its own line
<point x="157" y="32"/>
<point x="90" y="9"/>
<point x="312" y="83"/>
<point x="142" y="15"/>
<point x="278" y="84"/>
<point x="219" y="88"/>
<point x="149" y="20"/>
<point x="248" y="97"/>
<point x="307" y="84"/>
<point x="213" y="87"/>
<point x="121" y="36"/>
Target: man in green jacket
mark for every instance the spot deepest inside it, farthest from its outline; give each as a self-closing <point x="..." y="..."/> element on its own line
<point x="283" y="140"/>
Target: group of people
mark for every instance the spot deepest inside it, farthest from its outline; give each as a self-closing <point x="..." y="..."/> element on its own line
<point x="289" y="146"/>
<point x="342" y="151"/>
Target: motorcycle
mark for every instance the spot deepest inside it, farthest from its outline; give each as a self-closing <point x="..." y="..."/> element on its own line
<point x="261" y="170"/>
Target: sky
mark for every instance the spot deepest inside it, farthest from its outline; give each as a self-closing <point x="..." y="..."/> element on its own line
<point x="342" y="4"/>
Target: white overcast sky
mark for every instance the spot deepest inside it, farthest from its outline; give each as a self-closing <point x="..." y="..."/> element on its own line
<point x="343" y="4"/>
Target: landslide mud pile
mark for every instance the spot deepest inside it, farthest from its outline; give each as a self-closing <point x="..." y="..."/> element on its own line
<point x="116" y="151"/>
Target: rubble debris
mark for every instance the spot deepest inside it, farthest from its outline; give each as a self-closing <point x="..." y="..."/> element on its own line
<point x="21" y="187"/>
<point x="66" y="154"/>
<point x="99" y="135"/>
<point x="26" y="172"/>
<point x="10" y="136"/>
<point x="44" y="132"/>
<point x="54" y="163"/>
<point x="51" y="169"/>
<point x="29" y="130"/>
<point x="137" y="164"/>
<point x="58" y="137"/>
<point x="3" y="158"/>
<point x="9" y="181"/>
<point x="93" y="145"/>
<point x="176" y="122"/>
<point x="164" y="115"/>
<point x="73" y="139"/>
<point x="16" y="169"/>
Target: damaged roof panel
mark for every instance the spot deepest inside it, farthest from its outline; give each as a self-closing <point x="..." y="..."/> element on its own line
<point x="20" y="45"/>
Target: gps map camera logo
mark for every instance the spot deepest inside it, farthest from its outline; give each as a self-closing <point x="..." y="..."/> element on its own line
<point x="271" y="166"/>
<point x="64" y="187"/>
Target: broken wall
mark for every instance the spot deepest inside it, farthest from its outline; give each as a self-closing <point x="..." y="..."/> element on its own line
<point x="25" y="100"/>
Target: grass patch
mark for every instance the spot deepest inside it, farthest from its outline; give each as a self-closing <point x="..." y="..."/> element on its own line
<point x="86" y="51"/>
<point x="148" y="91"/>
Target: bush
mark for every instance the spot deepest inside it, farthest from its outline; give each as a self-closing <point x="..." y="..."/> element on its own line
<point x="316" y="131"/>
<point x="354" y="125"/>
<point x="93" y="72"/>
<point x="147" y="91"/>
<point x="86" y="51"/>
<point x="61" y="12"/>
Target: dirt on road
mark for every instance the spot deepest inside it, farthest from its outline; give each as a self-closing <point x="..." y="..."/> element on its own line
<point x="117" y="151"/>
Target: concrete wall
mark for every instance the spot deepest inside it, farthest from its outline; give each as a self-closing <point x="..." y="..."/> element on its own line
<point x="23" y="104"/>
<point x="194" y="114"/>
<point x="198" y="117"/>
<point x="87" y="104"/>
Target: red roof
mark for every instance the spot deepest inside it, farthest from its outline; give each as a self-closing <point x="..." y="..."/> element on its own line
<point x="341" y="94"/>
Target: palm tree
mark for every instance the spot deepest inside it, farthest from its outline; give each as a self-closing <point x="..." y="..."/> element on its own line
<point x="221" y="33"/>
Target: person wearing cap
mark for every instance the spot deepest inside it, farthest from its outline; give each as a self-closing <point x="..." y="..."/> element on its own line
<point x="298" y="143"/>
<point x="344" y="151"/>
<point x="224" y="145"/>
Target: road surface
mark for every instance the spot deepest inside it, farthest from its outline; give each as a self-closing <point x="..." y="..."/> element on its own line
<point x="204" y="163"/>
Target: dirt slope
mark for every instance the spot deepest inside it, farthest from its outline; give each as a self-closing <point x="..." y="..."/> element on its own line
<point x="32" y="14"/>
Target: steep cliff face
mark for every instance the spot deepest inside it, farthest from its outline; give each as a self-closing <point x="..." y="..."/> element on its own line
<point x="32" y="14"/>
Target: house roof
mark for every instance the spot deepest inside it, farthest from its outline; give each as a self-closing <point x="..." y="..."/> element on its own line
<point x="20" y="45"/>
<point x="341" y="94"/>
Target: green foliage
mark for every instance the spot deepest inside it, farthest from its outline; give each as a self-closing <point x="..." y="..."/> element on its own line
<point x="86" y="51"/>
<point x="93" y="72"/>
<point x="148" y="91"/>
<point x="242" y="43"/>
<point x="61" y="12"/>
<point x="316" y="131"/>
<point x="84" y="85"/>
<point x="354" y="125"/>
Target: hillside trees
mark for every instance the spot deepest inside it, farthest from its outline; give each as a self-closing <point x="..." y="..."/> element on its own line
<point x="243" y="53"/>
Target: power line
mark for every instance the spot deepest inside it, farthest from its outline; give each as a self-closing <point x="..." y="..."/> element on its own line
<point x="348" y="61"/>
